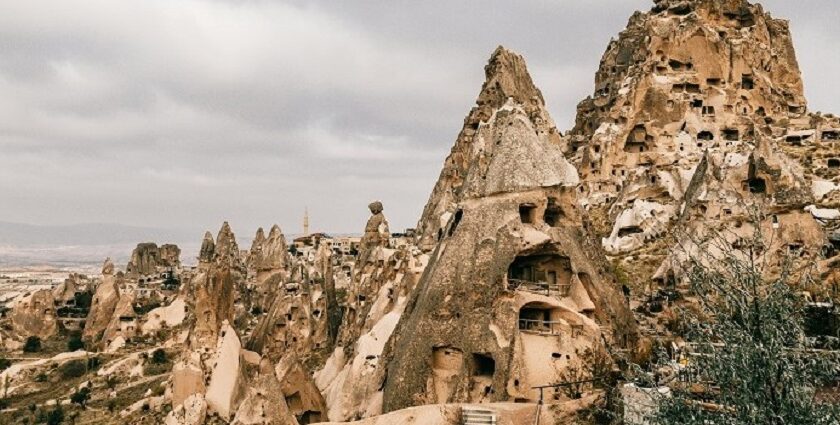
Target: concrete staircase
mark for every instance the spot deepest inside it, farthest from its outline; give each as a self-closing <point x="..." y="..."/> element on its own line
<point x="477" y="416"/>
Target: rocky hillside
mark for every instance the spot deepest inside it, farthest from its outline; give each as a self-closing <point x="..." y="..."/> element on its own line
<point x="543" y="265"/>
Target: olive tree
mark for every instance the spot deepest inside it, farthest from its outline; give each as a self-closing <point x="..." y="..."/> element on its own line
<point x="752" y="358"/>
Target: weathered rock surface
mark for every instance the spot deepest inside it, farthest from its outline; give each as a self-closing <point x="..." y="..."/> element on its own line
<point x="269" y="254"/>
<point x="225" y="387"/>
<point x="376" y="232"/>
<point x="516" y="290"/>
<point x="34" y="315"/>
<point x="147" y="258"/>
<point x="506" y="79"/>
<point x="698" y="119"/>
<point x="103" y="304"/>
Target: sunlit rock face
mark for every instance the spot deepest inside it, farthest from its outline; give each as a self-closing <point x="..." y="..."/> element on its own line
<point x="147" y="258"/>
<point x="105" y="299"/>
<point x="698" y="118"/>
<point x="34" y="315"/>
<point x="507" y="80"/>
<point x="516" y="289"/>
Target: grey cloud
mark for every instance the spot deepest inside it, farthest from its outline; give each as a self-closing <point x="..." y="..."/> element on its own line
<point x="187" y="113"/>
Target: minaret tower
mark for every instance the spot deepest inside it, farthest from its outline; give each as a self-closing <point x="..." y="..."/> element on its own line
<point x="306" y="221"/>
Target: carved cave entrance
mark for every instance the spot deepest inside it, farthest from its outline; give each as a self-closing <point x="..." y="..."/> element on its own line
<point x="544" y="274"/>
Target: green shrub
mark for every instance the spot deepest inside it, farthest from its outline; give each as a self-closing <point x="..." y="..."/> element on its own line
<point x="159" y="356"/>
<point x="56" y="416"/>
<point x="73" y="369"/>
<point x="32" y="345"/>
<point x="81" y="396"/>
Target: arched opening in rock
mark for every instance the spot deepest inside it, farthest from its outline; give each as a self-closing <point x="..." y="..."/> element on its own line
<point x="831" y="135"/>
<point x="833" y="163"/>
<point x="754" y="184"/>
<point x="705" y="135"/>
<point x="483" y="365"/>
<point x="540" y="273"/>
<point x="309" y="417"/>
<point x="539" y="318"/>
<point x="637" y="140"/>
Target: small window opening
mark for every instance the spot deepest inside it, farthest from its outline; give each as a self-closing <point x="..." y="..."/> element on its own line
<point x="747" y="82"/>
<point x="705" y="135"/>
<point x="527" y="213"/>
<point x="730" y="134"/>
<point x="757" y="185"/>
<point x="483" y="365"/>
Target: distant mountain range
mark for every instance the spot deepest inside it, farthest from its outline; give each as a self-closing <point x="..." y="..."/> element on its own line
<point x="28" y="245"/>
<point x="31" y="235"/>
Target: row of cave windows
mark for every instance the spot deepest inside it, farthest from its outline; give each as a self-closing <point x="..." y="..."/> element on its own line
<point x="527" y="215"/>
<point x="747" y="80"/>
<point x="639" y="139"/>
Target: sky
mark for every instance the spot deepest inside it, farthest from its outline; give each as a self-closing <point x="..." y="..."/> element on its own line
<point x="185" y="113"/>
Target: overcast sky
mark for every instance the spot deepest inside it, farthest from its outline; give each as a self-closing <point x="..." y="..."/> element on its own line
<point x="185" y="113"/>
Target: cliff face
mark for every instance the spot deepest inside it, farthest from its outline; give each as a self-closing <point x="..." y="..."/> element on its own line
<point x="698" y="118"/>
<point x="516" y="290"/>
<point x="147" y="257"/>
<point x="506" y="78"/>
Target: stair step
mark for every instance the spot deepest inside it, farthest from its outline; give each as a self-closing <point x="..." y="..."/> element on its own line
<point x="477" y="416"/>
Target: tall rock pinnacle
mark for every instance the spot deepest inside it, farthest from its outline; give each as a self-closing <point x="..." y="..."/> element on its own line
<point x="507" y="81"/>
<point x="686" y="81"/>
<point x="513" y="263"/>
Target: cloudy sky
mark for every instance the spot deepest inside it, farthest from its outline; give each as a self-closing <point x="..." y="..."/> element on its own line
<point x="185" y="113"/>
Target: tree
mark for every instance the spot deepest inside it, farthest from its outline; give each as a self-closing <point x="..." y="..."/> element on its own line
<point x="56" y="416"/>
<point x="73" y="369"/>
<point x="159" y="356"/>
<point x="754" y="361"/>
<point x="81" y="396"/>
<point x="32" y="345"/>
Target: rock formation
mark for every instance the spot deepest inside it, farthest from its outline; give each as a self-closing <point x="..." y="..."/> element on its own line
<point x="698" y="118"/>
<point x="102" y="307"/>
<point x="376" y="231"/>
<point x="208" y="247"/>
<point x="147" y="258"/>
<point x="352" y="378"/>
<point x="506" y="79"/>
<point x="516" y="290"/>
<point x="529" y="251"/>
<point x="34" y="315"/>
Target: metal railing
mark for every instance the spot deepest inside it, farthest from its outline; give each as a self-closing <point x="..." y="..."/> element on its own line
<point x="542" y="288"/>
<point x="545" y="327"/>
